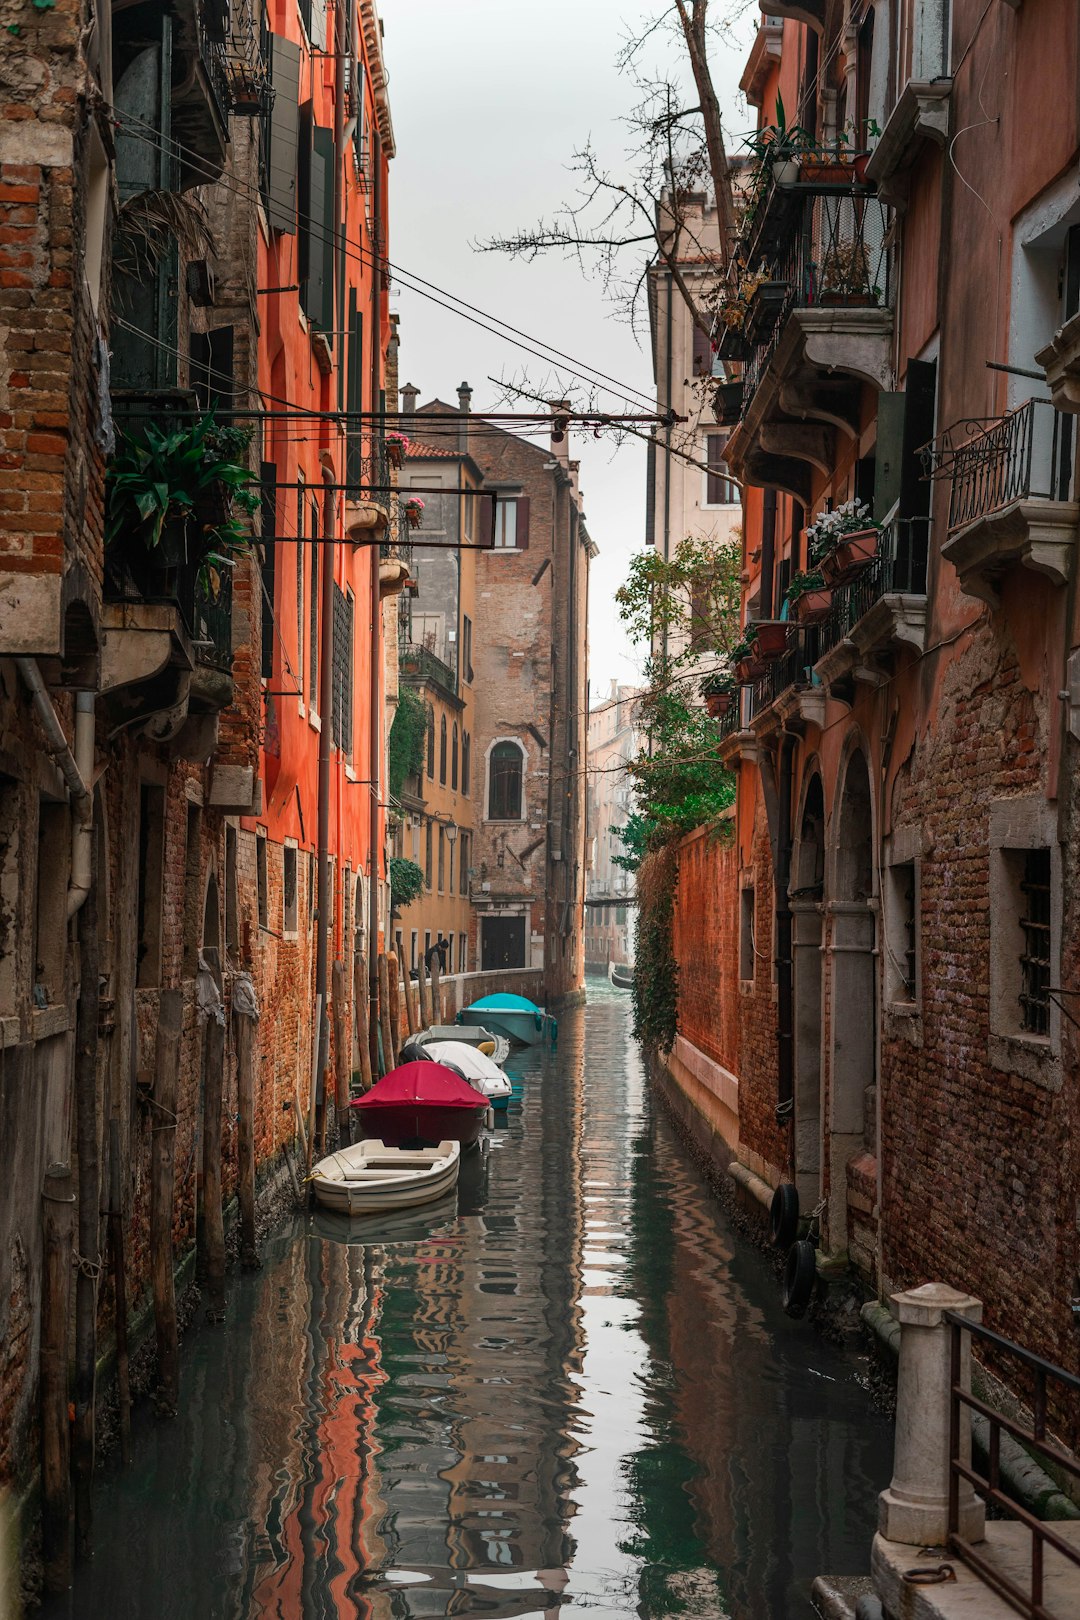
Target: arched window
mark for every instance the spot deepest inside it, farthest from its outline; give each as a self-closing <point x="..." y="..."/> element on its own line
<point x="466" y="761"/>
<point x="442" y="751"/>
<point x="454" y="760"/>
<point x="504" y="782"/>
<point x="431" y="742"/>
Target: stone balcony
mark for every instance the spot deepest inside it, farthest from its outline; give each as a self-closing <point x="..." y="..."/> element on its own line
<point x="823" y="335"/>
<point x="1061" y="361"/>
<point x="1009" y="503"/>
<point x="921" y="115"/>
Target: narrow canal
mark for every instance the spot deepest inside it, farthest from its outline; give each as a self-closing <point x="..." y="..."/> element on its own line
<point x="574" y="1386"/>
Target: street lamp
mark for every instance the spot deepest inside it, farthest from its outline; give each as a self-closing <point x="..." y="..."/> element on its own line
<point x="451" y="832"/>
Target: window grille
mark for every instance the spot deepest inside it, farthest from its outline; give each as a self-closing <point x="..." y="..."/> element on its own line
<point x="1035" y="956"/>
<point x="905" y="878"/>
<point x="342" y="716"/>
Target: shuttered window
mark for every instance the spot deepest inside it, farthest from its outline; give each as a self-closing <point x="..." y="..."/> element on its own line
<point x="354" y="395"/>
<point x="317" y="224"/>
<point x="280" y="133"/>
<point x="512" y="523"/>
<point x="268" y="515"/>
<point x="720" y="490"/>
<point x="313" y="612"/>
<point x="342" y="710"/>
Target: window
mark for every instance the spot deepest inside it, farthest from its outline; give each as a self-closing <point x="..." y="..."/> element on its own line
<point x="413" y="944"/>
<point x="901" y="932"/>
<point x="463" y="953"/>
<point x="442" y="857"/>
<point x="268" y="539"/>
<point x="342" y="705"/>
<point x="262" y="880"/>
<point x="301" y="622"/>
<point x="746" y="934"/>
<point x="466" y="761"/>
<point x="430" y="743"/>
<point x="512" y="523"/>
<point x="313" y="613"/>
<point x="466" y="649"/>
<point x="442" y="750"/>
<point x="463" y="864"/>
<point x="720" y="489"/>
<point x="427" y="854"/>
<point x="1035" y="955"/>
<point x="151" y="880"/>
<point x="450" y="953"/>
<point x="454" y="760"/>
<point x="504" y="787"/>
<point x="192" y="895"/>
<point x="450" y="868"/>
<point x="288" y="889"/>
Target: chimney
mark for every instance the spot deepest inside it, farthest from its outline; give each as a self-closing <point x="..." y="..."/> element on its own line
<point x="464" y="395"/>
<point x="409" y="396"/>
<point x="560" y="431"/>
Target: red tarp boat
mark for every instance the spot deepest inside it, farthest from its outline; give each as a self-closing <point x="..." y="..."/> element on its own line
<point x="422" y="1102"/>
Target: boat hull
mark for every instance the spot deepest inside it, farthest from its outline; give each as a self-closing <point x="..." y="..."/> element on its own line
<point x="621" y="976"/>
<point x="375" y="1178"/>
<point x="419" y="1122"/>
<point x="519" y="1027"/>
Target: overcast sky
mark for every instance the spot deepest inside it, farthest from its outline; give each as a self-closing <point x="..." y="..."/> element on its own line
<point x="490" y="98"/>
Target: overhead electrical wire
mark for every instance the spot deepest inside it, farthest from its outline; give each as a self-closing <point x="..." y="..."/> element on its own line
<point x="413" y="282"/>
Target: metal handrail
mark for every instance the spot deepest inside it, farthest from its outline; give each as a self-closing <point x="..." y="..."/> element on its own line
<point x="900" y="566"/>
<point x="1023" y="455"/>
<point x="1033" y="1436"/>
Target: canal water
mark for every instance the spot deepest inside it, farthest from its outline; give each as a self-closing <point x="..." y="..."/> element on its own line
<point x="572" y="1386"/>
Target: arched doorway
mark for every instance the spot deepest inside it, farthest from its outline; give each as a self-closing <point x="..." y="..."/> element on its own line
<point x="806" y="897"/>
<point x="853" y="963"/>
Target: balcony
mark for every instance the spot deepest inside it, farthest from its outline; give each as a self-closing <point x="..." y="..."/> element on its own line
<point x="1061" y="361"/>
<point x="1009" y="500"/>
<point x="872" y="616"/>
<point x="816" y="332"/>
<point x="921" y="115"/>
<point x="369" y="501"/>
<point x="421" y="664"/>
<point x="201" y="95"/>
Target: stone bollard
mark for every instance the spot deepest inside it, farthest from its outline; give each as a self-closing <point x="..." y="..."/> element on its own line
<point x="915" y="1508"/>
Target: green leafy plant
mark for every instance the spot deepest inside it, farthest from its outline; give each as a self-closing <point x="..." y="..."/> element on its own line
<point x="656" y="972"/>
<point x="407" y="738"/>
<point x="192" y="471"/>
<point x="406" y="882"/>
<point x="720" y="680"/>
<point x="803" y="582"/>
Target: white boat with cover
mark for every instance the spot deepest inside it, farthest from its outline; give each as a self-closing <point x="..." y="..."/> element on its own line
<point x="371" y="1176"/>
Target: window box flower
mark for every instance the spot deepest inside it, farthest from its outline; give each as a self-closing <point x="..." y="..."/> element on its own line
<point x="396" y="446"/>
<point x="843" y="541"/>
<point x="850" y="556"/>
<point x="414" y="511"/>
<point x="770" y="638"/>
<point x="809" y="598"/>
<point x="718" y="692"/>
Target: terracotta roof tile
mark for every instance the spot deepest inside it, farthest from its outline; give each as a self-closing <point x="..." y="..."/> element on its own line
<point x="423" y="452"/>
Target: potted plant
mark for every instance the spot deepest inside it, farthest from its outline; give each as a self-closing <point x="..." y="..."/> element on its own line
<point x="809" y="597"/>
<point x="718" y="690"/>
<point x="727" y="402"/>
<point x="778" y="147"/>
<point x="843" y="541"/>
<point x="845" y="275"/>
<point x="770" y="638"/>
<point x="179" y="495"/>
<point x="396" y="446"/>
<point x="414" y="511"/>
<point x="748" y="666"/>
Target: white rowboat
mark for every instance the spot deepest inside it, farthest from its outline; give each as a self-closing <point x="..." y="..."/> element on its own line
<point x="370" y="1177"/>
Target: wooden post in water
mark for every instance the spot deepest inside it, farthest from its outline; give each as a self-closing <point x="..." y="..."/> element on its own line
<point x="394" y="1003"/>
<point x="162" y="1196"/>
<point x="436" y="988"/>
<point x="244" y="1029"/>
<point x="213" y="1217"/>
<point x="384" y="1015"/>
<point x="58" y="1226"/>
<point x="406" y="987"/>
<point x="119" y="1281"/>
<point x="422" y="992"/>
<point x="89" y="1245"/>
<point x="361" y="1014"/>
<point x="341" y="1047"/>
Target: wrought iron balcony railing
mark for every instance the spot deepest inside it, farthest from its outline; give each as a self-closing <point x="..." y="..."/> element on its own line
<point x="830" y="252"/>
<point x="991" y="462"/>
<point x="421" y="661"/>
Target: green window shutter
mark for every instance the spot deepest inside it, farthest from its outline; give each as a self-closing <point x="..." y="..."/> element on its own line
<point x="281" y="160"/>
<point x="888" y="453"/>
<point x="269" y="564"/>
<point x="319" y="297"/>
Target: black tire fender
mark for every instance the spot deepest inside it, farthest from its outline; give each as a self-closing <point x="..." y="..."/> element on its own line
<point x="800" y="1275"/>
<point x="784" y="1215"/>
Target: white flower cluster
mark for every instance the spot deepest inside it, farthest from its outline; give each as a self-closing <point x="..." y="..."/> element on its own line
<point x="825" y="531"/>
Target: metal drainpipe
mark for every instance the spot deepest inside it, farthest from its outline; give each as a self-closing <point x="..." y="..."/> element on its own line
<point x="378" y="402"/>
<point x="77" y="769"/>
<point x="785" y="1055"/>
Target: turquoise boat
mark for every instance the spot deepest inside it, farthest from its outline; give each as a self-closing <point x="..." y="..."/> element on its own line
<point x="521" y="1020"/>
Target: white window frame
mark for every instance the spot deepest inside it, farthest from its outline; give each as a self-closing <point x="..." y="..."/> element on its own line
<point x="1016" y="826"/>
<point x="506" y="504"/>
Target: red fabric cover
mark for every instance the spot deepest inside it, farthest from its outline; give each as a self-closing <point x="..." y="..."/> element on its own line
<point x="430" y="1084"/>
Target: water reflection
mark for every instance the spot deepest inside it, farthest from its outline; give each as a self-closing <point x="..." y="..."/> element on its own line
<point x="566" y="1387"/>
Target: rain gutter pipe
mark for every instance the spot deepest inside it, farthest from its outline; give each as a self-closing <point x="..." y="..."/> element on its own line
<point x="378" y="401"/>
<point x="77" y="769"/>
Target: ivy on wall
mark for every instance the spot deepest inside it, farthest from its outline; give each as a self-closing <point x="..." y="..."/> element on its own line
<point x="408" y="735"/>
<point x="656" y="973"/>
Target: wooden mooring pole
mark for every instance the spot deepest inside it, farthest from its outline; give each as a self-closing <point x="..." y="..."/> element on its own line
<point x="360" y="1012"/>
<point x="244" y="1028"/>
<point x="394" y="1003"/>
<point x="162" y="1198"/>
<point x="341" y="1050"/>
<point x="213" y="1224"/>
<point x="384" y="1015"/>
<point x="58" y="1229"/>
<point x="422" y="992"/>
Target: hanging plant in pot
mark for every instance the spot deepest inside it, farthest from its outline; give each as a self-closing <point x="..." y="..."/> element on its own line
<point x="747" y="665"/>
<point x="770" y="638"/>
<point x="414" y="511"/>
<point x="809" y="597"/>
<point x="179" y="496"/>
<point x="718" y="691"/>
<point x="396" y="446"/>
<point x="843" y="542"/>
